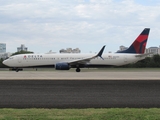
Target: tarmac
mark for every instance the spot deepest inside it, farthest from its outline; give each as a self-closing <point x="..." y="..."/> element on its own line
<point x="79" y="94"/>
<point x="68" y="89"/>
<point x="67" y="75"/>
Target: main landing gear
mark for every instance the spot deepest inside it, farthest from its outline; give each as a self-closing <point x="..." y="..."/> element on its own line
<point x="78" y="70"/>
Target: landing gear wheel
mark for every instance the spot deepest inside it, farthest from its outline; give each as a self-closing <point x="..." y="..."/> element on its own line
<point x="78" y="70"/>
<point x="17" y="70"/>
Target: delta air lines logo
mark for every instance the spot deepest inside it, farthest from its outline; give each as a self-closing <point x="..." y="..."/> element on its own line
<point x="25" y="57"/>
<point x="32" y="56"/>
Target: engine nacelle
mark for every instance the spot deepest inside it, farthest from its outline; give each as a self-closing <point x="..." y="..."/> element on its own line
<point x="62" y="66"/>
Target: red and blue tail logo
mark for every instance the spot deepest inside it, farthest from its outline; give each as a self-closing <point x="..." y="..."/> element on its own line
<point x="139" y="45"/>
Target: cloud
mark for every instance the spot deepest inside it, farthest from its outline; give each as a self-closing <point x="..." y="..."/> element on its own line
<point x="52" y="24"/>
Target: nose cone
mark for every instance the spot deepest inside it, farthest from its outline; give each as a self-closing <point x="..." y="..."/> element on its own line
<point x="5" y="62"/>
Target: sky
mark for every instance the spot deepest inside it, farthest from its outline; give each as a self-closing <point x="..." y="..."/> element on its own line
<point x="44" y="25"/>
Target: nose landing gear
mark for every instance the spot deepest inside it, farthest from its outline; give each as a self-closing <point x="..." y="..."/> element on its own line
<point x="16" y="69"/>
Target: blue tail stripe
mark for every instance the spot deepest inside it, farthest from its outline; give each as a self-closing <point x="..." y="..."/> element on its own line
<point x="141" y="46"/>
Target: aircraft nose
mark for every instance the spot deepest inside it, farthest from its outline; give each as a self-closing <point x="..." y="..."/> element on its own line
<point x="5" y="62"/>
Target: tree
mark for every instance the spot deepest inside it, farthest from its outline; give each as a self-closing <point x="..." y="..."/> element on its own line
<point x="156" y="59"/>
<point x="22" y="52"/>
<point x="1" y="64"/>
<point x="148" y="62"/>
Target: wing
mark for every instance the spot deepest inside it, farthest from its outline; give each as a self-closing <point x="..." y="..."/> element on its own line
<point x="86" y="60"/>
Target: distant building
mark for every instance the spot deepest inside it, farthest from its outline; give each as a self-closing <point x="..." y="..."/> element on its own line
<point x="121" y="48"/>
<point x="2" y="48"/>
<point x="50" y="52"/>
<point x="22" y="48"/>
<point x="5" y="55"/>
<point x="76" y="50"/>
<point x="70" y="50"/>
<point x="153" y="50"/>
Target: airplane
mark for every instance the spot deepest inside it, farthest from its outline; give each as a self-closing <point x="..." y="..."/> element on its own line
<point x="134" y="53"/>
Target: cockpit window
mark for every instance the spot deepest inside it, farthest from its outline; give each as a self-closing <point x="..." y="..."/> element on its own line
<point x="11" y="58"/>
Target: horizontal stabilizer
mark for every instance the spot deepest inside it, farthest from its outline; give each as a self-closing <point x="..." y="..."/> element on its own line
<point x="143" y="55"/>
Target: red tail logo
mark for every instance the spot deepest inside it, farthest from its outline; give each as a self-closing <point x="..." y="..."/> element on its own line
<point x="139" y="45"/>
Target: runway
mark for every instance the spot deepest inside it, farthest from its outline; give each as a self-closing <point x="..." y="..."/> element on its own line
<point x="79" y="93"/>
<point x="122" y="74"/>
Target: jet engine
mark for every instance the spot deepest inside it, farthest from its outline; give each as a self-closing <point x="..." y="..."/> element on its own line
<point x="62" y="66"/>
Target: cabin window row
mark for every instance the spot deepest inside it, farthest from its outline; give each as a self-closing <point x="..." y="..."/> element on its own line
<point x="63" y="58"/>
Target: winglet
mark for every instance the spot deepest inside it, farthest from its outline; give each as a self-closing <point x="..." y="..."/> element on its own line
<point x="101" y="52"/>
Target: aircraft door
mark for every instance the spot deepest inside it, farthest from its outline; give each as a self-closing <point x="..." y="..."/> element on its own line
<point x="19" y="60"/>
<point x="125" y="59"/>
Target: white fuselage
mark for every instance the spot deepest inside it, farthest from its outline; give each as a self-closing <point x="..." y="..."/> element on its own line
<point x="33" y="60"/>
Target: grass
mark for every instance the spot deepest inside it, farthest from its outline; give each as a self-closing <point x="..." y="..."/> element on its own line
<point x="80" y="114"/>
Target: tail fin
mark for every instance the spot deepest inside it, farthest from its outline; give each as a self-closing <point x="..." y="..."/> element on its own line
<point x="139" y="45"/>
